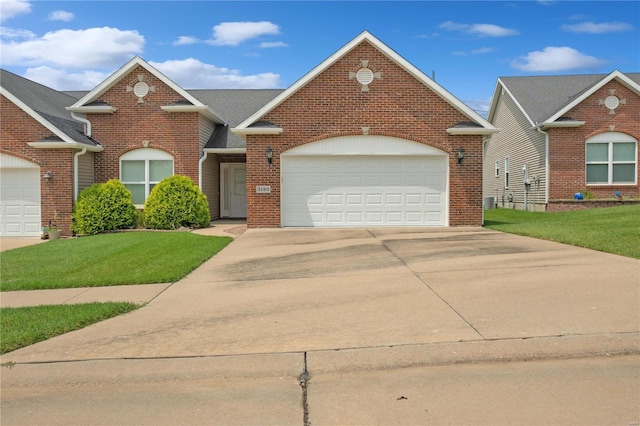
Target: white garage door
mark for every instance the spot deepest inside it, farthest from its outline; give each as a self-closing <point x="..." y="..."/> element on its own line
<point x="364" y="190"/>
<point x="19" y="198"/>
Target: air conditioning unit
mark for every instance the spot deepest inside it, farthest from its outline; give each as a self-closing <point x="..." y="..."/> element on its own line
<point x="489" y="203"/>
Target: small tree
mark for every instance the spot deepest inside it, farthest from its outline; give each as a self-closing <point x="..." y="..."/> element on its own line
<point x="103" y="207"/>
<point x="175" y="202"/>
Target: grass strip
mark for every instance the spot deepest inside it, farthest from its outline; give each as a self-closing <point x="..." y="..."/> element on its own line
<point x="106" y="260"/>
<point x="611" y="229"/>
<point x="20" y="327"/>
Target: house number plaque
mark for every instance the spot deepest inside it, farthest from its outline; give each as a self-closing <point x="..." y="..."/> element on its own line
<point x="263" y="189"/>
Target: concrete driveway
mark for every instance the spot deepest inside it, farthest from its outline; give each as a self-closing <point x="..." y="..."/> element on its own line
<point x="296" y="290"/>
<point x="358" y="326"/>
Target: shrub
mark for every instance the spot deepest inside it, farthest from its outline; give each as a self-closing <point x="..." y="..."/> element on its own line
<point x="175" y="202"/>
<point x="103" y="207"/>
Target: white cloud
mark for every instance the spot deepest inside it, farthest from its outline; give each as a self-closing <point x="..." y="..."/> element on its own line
<point x="481" y="106"/>
<point x="480" y="51"/>
<point x="234" y="33"/>
<point x="89" y="48"/>
<point x="61" y="15"/>
<point x="482" y="30"/>
<point x="597" y="28"/>
<point x="271" y="44"/>
<point x="12" y="8"/>
<point x="7" y="32"/>
<point x="63" y="80"/>
<point x="192" y="74"/>
<point x="483" y="50"/>
<point x="185" y="40"/>
<point x="556" y="59"/>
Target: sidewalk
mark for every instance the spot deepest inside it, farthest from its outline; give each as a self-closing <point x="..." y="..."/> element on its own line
<point x="123" y="293"/>
<point x="359" y="326"/>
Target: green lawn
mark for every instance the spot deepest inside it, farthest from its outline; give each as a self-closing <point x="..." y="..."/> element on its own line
<point x="21" y="327"/>
<point x="107" y="259"/>
<point x="612" y="229"/>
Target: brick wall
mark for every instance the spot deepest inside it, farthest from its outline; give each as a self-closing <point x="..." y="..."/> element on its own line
<point x="135" y="126"/>
<point x="333" y="105"/>
<point x="567" y="146"/>
<point x="18" y="129"/>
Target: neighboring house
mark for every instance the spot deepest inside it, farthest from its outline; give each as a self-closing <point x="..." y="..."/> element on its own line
<point x="560" y="135"/>
<point x="364" y="139"/>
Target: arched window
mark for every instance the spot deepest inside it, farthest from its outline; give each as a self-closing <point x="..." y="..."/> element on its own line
<point x="612" y="158"/>
<point x="142" y="169"/>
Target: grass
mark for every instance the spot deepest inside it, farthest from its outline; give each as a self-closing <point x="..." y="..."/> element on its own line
<point x="612" y="229"/>
<point x="20" y="327"/>
<point x="106" y="260"/>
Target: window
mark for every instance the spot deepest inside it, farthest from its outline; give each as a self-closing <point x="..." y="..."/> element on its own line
<point x="142" y="169"/>
<point x="506" y="172"/>
<point x="611" y="158"/>
<point x="497" y="168"/>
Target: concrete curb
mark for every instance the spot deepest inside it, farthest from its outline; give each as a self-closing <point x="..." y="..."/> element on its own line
<point x="481" y="351"/>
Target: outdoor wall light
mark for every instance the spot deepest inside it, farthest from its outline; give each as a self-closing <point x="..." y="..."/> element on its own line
<point x="460" y="154"/>
<point x="269" y="155"/>
<point x="47" y="175"/>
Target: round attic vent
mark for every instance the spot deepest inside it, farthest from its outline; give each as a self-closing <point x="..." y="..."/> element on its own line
<point x="141" y="89"/>
<point x="364" y="76"/>
<point x="612" y="102"/>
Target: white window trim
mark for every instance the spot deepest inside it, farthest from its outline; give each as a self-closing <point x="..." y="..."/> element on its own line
<point x="146" y="155"/>
<point x="611" y="138"/>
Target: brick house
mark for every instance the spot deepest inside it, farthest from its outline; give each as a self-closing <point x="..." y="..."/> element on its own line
<point x="363" y="139"/>
<point x="564" y="134"/>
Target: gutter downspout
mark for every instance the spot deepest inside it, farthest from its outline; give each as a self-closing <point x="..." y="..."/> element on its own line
<point x="87" y="123"/>
<point x="200" y="162"/>
<point x="76" y="173"/>
<point x="546" y="164"/>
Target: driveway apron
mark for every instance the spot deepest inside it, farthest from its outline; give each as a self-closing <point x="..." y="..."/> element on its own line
<point x="300" y="290"/>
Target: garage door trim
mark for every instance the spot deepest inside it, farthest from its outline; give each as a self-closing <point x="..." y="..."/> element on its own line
<point x="314" y="203"/>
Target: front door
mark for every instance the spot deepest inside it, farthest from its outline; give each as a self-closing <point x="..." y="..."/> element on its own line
<point x="237" y="190"/>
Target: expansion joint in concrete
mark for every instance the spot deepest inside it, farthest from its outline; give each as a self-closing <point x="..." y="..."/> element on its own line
<point x="303" y="379"/>
<point x="426" y="284"/>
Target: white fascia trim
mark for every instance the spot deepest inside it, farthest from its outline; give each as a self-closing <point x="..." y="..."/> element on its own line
<point x="59" y="133"/>
<point x="65" y="145"/>
<point x="93" y="109"/>
<point x="560" y="124"/>
<point x="471" y="131"/>
<point x="226" y="150"/>
<point x="403" y="63"/>
<point x="614" y="75"/>
<point x="128" y="67"/>
<point x="184" y="108"/>
<point x="494" y="103"/>
<point x="257" y="131"/>
<point x="201" y="109"/>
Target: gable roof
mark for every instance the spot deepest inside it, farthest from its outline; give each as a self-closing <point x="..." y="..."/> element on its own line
<point x="84" y="104"/>
<point x="237" y="104"/>
<point x="544" y="99"/>
<point x="47" y="106"/>
<point x="253" y="125"/>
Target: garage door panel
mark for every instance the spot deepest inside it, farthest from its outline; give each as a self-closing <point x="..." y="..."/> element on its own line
<point x="374" y="199"/>
<point x="20" y="200"/>
<point x="355" y="199"/>
<point x="363" y="191"/>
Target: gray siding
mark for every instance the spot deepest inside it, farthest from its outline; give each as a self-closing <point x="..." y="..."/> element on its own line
<point x="85" y="171"/>
<point x="205" y="130"/>
<point x="211" y="184"/>
<point x="522" y="144"/>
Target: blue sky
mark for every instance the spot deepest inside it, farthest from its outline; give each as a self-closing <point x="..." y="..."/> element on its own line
<point x="204" y="44"/>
